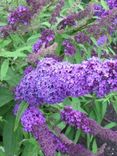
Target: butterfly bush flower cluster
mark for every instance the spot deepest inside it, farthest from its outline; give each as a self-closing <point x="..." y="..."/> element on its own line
<point x="6" y="30"/>
<point x="102" y="40"/>
<point x="56" y="12"/>
<point x="69" y="48"/>
<point x="33" y="121"/>
<point x="32" y="117"/>
<point x="111" y="3"/>
<point x="22" y="15"/>
<point x="106" y="24"/>
<point x="52" y="81"/>
<point x="47" y="37"/>
<point x="100" y="11"/>
<point x="71" y="20"/>
<point x="49" y="142"/>
<point x="81" y="121"/>
<point x="37" y="5"/>
<point x="82" y="38"/>
<point x="76" y="118"/>
<point x="28" y="70"/>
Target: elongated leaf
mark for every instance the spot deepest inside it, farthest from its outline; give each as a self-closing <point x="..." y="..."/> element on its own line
<point x="4" y="69"/>
<point x="111" y="125"/>
<point x="31" y="148"/>
<point x="21" y="109"/>
<point x="12" y="54"/>
<point x="12" y="78"/>
<point x="94" y="146"/>
<point x="104" y="4"/>
<point x="5" y="96"/>
<point x="2" y="153"/>
<point x="11" y="139"/>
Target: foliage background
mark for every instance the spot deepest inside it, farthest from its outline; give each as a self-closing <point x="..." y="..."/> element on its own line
<point x="13" y="53"/>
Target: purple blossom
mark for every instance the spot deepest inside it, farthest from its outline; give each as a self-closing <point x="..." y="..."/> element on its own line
<point x="82" y="38"/>
<point x="52" y="81"/>
<point x="102" y="40"/>
<point x="75" y="118"/>
<point x="36" y="5"/>
<point x="69" y="48"/>
<point x="22" y="15"/>
<point x="71" y="20"/>
<point x="56" y="11"/>
<point x="47" y="36"/>
<point x="80" y="120"/>
<point x="57" y="58"/>
<point x="32" y="117"/>
<point x="105" y="24"/>
<point x="15" y="110"/>
<point x="6" y="30"/>
<point x="50" y="143"/>
<point x="112" y="3"/>
<point x="68" y="21"/>
<point x="28" y="70"/>
<point x="98" y="10"/>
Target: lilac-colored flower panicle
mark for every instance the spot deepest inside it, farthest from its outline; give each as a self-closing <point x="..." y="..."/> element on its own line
<point x="82" y="38"/>
<point x="16" y="108"/>
<point x="102" y="40"/>
<point x="98" y="10"/>
<point x="75" y="118"/>
<point x="52" y="81"/>
<point x="37" y="5"/>
<point x="6" y="30"/>
<point x="47" y="36"/>
<point x="80" y="120"/>
<point x="71" y="20"/>
<point x="22" y="15"/>
<point x="32" y="117"/>
<point x="28" y="70"/>
<point x="111" y="3"/>
<point x="50" y="143"/>
<point x="69" y="48"/>
<point x="56" y="11"/>
<point x="106" y="24"/>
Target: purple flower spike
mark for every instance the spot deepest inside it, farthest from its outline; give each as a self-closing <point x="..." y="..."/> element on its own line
<point x="69" y="48"/>
<point x="22" y="15"/>
<point x="32" y="117"/>
<point x="102" y="40"/>
<point x="82" y="38"/>
<point x="46" y="38"/>
<point x="80" y="120"/>
<point x="28" y="70"/>
<point x="75" y="118"/>
<point x="52" y="81"/>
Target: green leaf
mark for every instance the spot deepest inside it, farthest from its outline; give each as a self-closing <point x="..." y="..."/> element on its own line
<point x="104" y="4"/>
<point x="2" y="151"/>
<point x="114" y="103"/>
<point x="111" y="125"/>
<point x="61" y="125"/>
<point x="12" y="54"/>
<point x="77" y="135"/>
<point x="94" y="147"/>
<point x="5" y="96"/>
<point x="31" y="148"/>
<point x="12" y="78"/>
<point x="11" y="139"/>
<point x="4" y="69"/>
<point x="22" y="108"/>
